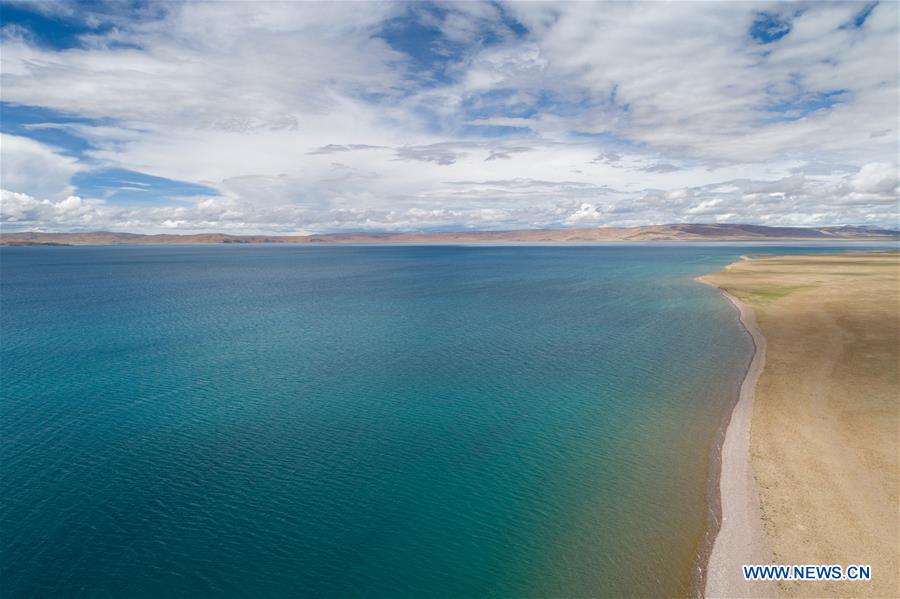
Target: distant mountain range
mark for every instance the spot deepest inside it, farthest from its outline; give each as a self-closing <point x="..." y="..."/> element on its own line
<point x="677" y="232"/>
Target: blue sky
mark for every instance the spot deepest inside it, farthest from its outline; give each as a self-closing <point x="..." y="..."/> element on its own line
<point x="304" y="117"/>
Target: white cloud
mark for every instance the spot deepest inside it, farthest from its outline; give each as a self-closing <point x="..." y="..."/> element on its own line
<point x="877" y="178"/>
<point x="486" y="204"/>
<point x="631" y="116"/>
<point x="72" y="211"/>
<point x="31" y="167"/>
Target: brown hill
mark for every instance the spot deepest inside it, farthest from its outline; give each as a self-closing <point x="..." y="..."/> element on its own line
<point x="674" y="232"/>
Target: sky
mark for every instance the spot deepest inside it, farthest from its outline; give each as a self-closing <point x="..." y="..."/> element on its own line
<point x="295" y="117"/>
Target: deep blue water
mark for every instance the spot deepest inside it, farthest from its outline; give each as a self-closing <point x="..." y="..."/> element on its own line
<point x="339" y="421"/>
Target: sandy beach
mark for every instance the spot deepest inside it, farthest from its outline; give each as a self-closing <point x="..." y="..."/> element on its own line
<point x="810" y="460"/>
<point x="741" y="538"/>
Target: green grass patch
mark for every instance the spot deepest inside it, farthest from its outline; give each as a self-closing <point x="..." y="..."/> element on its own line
<point x="769" y="293"/>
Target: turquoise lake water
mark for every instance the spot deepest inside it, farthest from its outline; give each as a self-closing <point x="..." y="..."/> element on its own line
<point x="418" y="421"/>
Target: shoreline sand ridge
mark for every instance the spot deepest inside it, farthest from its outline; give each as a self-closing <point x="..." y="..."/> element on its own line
<point x="741" y="537"/>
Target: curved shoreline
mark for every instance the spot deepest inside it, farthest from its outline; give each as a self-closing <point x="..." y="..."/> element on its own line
<point x="740" y="538"/>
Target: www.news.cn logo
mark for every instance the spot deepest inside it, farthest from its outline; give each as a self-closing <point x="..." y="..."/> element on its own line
<point x="807" y="572"/>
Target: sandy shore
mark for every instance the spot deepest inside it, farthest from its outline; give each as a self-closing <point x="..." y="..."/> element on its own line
<point x="741" y="538"/>
<point x="819" y="441"/>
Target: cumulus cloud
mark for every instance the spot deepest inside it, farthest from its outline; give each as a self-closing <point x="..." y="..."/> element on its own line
<point x="485" y="204"/>
<point x="511" y="115"/>
<point x="692" y="76"/>
<point x="877" y="178"/>
<point x="28" y="166"/>
<point x="72" y="211"/>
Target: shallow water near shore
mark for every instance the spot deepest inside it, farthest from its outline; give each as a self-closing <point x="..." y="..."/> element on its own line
<point x="345" y="420"/>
